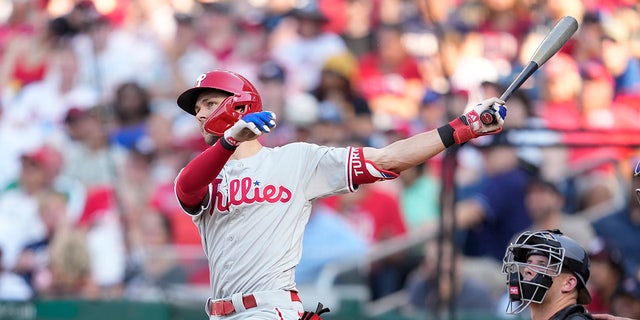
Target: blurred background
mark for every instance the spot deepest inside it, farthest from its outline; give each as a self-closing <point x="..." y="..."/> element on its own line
<point x="92" y="140"/>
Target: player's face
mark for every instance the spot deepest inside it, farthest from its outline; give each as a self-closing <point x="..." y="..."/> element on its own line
<point x="536" y="263"/>
<point x="207" y="102"/>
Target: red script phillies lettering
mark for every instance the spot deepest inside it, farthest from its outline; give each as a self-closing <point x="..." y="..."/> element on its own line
<point x="247" y="191"/>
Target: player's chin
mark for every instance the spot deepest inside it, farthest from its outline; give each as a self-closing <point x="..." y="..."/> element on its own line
<point x="209" y="138"/>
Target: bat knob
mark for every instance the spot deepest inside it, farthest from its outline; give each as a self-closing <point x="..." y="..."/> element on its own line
<point x="488" y="117"/>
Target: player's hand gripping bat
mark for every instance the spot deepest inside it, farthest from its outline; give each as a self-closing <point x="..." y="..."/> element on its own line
<point x="555" y="39"/>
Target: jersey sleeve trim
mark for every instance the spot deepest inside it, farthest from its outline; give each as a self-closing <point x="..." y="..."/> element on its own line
<point x="363" y="171"/>
<point x="350" y="185"/>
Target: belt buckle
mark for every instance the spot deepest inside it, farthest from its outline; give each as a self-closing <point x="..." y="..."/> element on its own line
<point x="222" y="308"/>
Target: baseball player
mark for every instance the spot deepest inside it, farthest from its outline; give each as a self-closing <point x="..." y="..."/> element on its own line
<point x="251" y="203"/>
<point x="547" y="272"/>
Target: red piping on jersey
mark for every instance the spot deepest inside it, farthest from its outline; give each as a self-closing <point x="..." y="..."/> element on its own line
<point x="193" y="182"/>
<point x="350" y="185"/>
<point x="279" y="314"/>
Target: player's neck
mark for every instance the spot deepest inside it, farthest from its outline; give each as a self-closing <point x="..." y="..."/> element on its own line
<point x="247" y="149"/>
<point x="549" y="308"/>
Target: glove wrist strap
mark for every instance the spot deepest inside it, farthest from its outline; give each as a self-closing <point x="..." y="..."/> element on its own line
<point x="446" y="135"/>
<point x="229" y="145"/>
<point x="457" y="131"/>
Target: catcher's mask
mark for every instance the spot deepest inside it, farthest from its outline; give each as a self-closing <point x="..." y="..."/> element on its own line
<point x="242" y="93"/>
<point x="528" y="280"/>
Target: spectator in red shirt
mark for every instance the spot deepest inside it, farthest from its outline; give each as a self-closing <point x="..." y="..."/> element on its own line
<point x="389" y="78"/>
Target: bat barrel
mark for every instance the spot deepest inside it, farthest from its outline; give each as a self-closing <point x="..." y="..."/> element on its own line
<point x="555" y="39"/>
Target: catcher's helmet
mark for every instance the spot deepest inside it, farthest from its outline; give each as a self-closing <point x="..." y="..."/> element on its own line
<point x="242" y="93"/>
<point x="561" y="252"/>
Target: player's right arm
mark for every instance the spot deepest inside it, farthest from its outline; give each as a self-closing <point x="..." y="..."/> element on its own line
<point x="192" y="183"/>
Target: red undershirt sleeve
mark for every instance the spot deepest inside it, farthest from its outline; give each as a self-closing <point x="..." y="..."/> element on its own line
<point x="193" y="181"/>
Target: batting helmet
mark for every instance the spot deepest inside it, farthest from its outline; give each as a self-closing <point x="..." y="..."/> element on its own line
<point x="242" y="93"/>
<point x="561" y="251"/>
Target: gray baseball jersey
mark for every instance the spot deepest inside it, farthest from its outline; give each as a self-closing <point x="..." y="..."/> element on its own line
<point x="253" y="218"/>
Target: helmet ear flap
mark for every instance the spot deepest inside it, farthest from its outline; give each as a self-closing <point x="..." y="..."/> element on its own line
<point x="223" y="117"/>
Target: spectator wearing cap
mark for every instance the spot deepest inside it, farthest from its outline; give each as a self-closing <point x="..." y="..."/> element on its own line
<point x="545" y="204"/>
<point x="337" y="95"/>
<point x="19" y="220"/>
<point x="273" y="86"/>
<point x="607" y="273"/>
<point x="304" y="54"/>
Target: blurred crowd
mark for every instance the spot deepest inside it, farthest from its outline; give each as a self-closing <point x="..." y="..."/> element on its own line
<point x="92" y="139"/>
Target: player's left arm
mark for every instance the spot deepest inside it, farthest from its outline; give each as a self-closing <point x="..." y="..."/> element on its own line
<point x="409" y="152"/>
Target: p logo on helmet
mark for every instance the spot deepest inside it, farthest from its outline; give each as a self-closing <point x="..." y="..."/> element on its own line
<point x="199" y="80"/>
<point x="242" y="93"/>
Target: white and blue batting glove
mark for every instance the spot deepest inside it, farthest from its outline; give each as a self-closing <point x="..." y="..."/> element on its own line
<point x="250" y="127"/>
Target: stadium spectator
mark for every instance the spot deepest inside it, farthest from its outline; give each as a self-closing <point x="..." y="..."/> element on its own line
<point x="26" y="58"/>
<point x="375" y="214"/>
<point x="431" y="291"/>
<point x="155" y="267"/>
<point x="90" y="157"/>
<point x="486" y="221"/>
<point x="304" y="54"/>
<point x="625" y="301"/>
<point x="419" y="198"/>
<point x="12" y="286"/>
<point x="20" y="223"/>
<point x="622" y="229"/>
<point x="338" y="97"/>
<point x="131" y="107"/>
<point x="607" y="274"/>
<point x="33" y="261"/>
<point x="328" y="237"/>
<point x="545" y="204"/>
<point x="389" y="78"/>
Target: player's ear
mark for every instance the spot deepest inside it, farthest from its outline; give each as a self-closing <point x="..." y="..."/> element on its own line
<point x="569" y="283"/>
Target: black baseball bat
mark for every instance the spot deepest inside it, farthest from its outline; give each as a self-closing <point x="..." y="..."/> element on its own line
<point x="550" y="45"/>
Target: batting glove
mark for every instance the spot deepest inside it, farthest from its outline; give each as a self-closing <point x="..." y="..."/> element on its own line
<point x="250" y="127"/>
<point x="320" y="309"/>
<point x="469" y="125"/>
